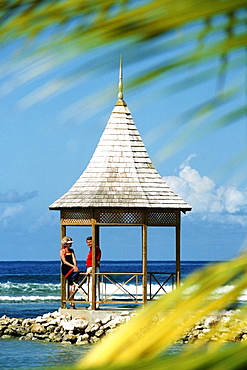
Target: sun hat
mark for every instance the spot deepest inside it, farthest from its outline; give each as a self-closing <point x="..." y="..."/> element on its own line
<point x="67" y="240"/>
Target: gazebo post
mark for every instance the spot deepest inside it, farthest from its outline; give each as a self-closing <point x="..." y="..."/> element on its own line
<point x="178" y="249"/>
<point x="144" y="263"/>
<point x="62" y="278"/>
<point x="93" y="277"/>
<point x="97" y="278"/>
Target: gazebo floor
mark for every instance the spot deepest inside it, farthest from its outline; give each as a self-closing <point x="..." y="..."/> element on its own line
<point x="92" y="315"/>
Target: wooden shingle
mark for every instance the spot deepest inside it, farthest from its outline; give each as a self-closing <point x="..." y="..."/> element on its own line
<point x="120" y="172"/>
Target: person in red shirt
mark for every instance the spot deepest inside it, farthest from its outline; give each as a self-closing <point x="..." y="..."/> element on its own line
<point x="89" y="261"/>
<point x="89" y="264"/>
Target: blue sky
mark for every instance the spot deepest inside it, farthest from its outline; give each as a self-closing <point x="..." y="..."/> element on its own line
<point x="48" y="137"/>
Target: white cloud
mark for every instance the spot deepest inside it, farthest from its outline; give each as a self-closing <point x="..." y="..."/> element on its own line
<point x="8" y="213"/>
<point x="12" y="196"/>
<point x="222" y="204"/>
<point x="12" y="205"/>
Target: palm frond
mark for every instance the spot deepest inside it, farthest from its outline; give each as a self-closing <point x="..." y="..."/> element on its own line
<point x="160" y="324"/>
<point x="171" y="38"/>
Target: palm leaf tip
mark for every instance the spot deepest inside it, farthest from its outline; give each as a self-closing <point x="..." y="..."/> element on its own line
<point x="160" y="324"/>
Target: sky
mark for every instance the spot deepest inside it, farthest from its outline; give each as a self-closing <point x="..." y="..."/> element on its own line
<point x="47" y="139"/>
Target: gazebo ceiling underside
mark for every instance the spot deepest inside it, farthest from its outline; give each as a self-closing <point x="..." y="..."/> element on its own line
<point x="120" y="176"/>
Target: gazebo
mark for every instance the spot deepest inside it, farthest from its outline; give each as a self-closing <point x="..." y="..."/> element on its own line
<point x="121" y="187"/>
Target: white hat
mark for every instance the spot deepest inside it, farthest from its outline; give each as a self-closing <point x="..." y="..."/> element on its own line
<point x="66" y="241"/>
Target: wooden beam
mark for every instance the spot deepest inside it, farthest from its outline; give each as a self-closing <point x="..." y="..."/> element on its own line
<point x="62" y="278"/>
<point x="178" y="272"/>
<point x="144" y="263"/>
<point x="93" y="277"/>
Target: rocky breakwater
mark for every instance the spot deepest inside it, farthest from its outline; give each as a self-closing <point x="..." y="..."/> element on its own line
<point x="54" y="327"/>
<point x="218" y="328"/>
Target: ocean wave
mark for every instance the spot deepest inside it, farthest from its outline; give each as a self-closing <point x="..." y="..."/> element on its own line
<point x="19" y="289"/>
<point x="10" y="285"/>
<point x="20" y="292"/>
<point x="28" y="298"/>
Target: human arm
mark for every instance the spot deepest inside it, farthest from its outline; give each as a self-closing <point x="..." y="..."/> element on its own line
<point x="74" y="262"/>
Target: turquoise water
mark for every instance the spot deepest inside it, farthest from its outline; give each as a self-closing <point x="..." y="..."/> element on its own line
<point x="31" y="289"/>
<point x="19" y="354"/>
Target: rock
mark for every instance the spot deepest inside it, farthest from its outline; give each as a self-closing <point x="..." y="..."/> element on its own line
<point x="81" y="342"/>
<point x="51" y="322"/>
<point x="3" y="327"/>
<point x="40" y="319"/>
<point x="20" y="330"/>
<point x="11" y="331"/>
<point x="92" y="329"/>
<point x="80" y="324"/>
<point x="94" y="339"/>
<point x="47" y="315"/>
<point x="28" y="322"/>
<point x="29" y="336"/>
<point x="5" y="321"/>
<point x="125" y="313"/>
<point x="15" y="322"/>
<point x="84" y="336"/>
<point x="40" y="336"/>
<point x="67" y="325"/>
<point x="6" y="336"/>
<point x="69" y="338"/>
<point x="106" y="319"/>
<point x="38" y="328"/>
<point x="210" y="321"/>
<point x="50" y="328"/>
<point x="56" y="337"/>
<point x="110" y="325"/>
<point x="58" y="329"/>
<point x="99" y="333"/>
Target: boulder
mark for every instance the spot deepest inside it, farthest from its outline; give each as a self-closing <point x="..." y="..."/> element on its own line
<point x="38" y="328"/>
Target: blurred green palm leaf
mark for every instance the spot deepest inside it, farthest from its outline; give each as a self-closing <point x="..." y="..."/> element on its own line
<point x="161" y="37"/>
<point x="160" y="324"/>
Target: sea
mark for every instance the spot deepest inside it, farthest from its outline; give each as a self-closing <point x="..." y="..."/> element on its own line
<point x="30" y="288"/>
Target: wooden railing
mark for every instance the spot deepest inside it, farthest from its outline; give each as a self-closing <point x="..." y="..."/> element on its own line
<point x="126" y="287"/>
<point x="161" y="286"/>
<point x="121" y="291"/>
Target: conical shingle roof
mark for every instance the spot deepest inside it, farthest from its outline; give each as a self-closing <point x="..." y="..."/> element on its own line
<point x="120" y="172"/>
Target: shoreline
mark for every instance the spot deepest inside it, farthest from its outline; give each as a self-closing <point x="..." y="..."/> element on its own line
<point x="57" y="327"/>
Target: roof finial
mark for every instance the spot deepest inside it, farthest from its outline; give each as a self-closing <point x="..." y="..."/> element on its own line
<point x="120" y="85"/>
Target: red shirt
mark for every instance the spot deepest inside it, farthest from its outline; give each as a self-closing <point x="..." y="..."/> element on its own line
<point x="89" y="262"/>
